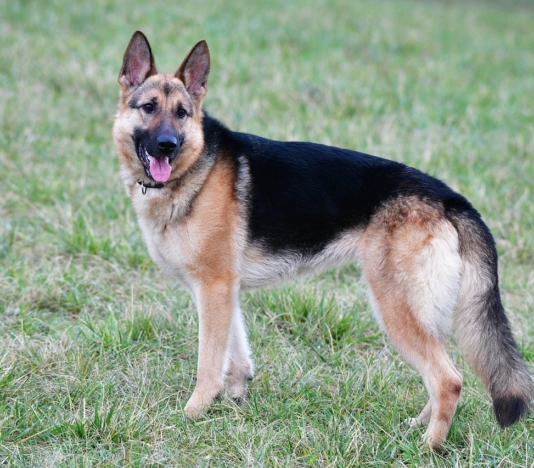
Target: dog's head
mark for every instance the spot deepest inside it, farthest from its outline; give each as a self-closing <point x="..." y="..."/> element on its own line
<point x="158" y="128"/>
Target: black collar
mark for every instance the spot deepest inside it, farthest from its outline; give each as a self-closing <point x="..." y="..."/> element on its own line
<point x="157" y="185"/>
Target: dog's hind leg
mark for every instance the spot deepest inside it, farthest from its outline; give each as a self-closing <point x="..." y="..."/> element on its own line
<point x="424" y="416"/>
<point x="414" y="271"/>
<point x="240" y="368"/>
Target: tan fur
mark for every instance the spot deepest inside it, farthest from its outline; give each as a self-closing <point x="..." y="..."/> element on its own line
<point x="204" y="247"/>
<point x="422" y="280"/>
<point x="398" y="248"/>
<point x="131" y="168"/>
<point x="200" y="248"/>
<point x="207" y="249"/>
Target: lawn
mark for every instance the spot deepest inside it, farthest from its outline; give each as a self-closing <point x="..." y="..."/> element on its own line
<point x="98" y="348"/>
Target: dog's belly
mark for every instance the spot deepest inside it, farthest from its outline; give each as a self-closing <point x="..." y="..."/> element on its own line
<point x="259" y="267"/>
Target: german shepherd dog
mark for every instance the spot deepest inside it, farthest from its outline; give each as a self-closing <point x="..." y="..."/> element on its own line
<point x="223" y="212"/>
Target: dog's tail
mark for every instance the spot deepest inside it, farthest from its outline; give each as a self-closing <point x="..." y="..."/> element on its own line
<point x="481" y="327"/>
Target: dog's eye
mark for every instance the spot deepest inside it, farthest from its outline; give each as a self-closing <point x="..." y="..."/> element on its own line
<point x="181" y="113"/>
<point x="149" y="108"/>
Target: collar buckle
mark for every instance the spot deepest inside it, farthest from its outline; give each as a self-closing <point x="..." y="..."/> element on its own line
<point x="145" y="186"/>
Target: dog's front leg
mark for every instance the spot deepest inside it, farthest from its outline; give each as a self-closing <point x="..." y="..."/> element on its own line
<point x="216" y="302"/>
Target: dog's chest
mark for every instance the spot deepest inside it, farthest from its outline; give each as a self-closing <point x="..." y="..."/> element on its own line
<point x="192" y="237"/>
<point x="165" y="233"/>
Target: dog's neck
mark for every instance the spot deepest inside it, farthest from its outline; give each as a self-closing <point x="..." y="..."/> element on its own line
<point x="182" y="191"/>
<point x="145" y="186"/>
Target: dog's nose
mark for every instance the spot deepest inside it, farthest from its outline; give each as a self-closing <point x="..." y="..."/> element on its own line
<point x="167" y="143"/>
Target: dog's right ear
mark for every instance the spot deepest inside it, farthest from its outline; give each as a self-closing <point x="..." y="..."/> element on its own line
<point x="138" y="63"/>
<point x="195" y="69"/>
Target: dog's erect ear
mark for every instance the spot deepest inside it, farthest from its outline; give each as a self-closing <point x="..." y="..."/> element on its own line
<point x="195" y="69"/>
<point x="138" y="63"/>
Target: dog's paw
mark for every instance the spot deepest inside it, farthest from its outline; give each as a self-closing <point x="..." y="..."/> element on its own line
<point x="433" y="441"/>
<point x="414" y="423"/>
<point x="422" y="419"/>
<point x="199" y="403"/>
<point x="239" y="373"/>
<point x="192" y="410"/>
<point x="236" y="386"/>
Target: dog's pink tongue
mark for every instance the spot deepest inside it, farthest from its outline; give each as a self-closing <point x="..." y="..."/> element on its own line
<point x="160" y="169"/>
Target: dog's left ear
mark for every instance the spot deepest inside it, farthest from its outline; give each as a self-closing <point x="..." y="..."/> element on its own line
<point x="195" y="69"/>
<point x="138" y="63"/>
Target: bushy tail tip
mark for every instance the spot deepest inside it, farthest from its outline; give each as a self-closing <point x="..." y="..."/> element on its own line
<point x="508" y="410"/>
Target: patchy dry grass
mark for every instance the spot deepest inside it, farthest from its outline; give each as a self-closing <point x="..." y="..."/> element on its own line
<point x="98" y="349"/>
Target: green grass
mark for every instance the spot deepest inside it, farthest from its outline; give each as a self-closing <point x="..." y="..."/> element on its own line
<point x="98" y="348"/>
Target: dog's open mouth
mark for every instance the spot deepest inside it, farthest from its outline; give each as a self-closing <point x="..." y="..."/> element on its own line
<point x="157" y="169"/>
